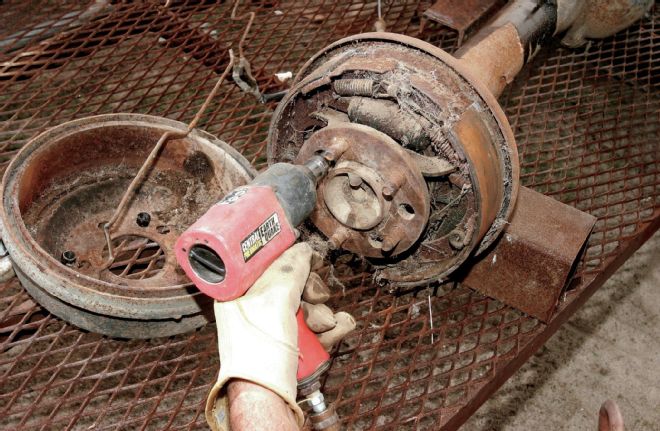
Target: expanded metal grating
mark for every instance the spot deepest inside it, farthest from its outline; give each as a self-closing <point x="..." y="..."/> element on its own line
<point x="586" y="121"/>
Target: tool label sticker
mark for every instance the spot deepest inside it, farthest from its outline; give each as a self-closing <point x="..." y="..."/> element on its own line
<point x="260" y="237"/>
<point x="232" y="197"/>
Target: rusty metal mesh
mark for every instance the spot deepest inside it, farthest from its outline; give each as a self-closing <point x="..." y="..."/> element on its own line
<point x="586" y="121"/>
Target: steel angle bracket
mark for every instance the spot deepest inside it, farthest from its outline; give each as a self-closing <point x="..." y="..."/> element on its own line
<point x="531" y="264"/>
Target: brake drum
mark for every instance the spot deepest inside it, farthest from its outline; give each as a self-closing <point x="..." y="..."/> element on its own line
<point x="66" y="183"/>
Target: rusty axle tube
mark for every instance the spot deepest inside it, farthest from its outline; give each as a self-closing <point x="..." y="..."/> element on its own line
<point x="499" y="50"/>
<point x="380" y="92"/>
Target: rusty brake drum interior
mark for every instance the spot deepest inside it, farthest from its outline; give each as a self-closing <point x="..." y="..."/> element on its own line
<point x="65" y="185"/>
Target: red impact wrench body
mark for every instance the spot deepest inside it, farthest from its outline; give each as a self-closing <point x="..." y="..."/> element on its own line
<point x="236" y="240"/>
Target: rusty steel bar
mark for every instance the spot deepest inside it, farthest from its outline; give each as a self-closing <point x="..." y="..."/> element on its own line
<point x="532" y="261"/>
<point x="460" y="15"/>
<point x="499" y="50"/>
<point x="139" y="177"/>
<point x="49" y="28"/>
<point x="574" y="301"/>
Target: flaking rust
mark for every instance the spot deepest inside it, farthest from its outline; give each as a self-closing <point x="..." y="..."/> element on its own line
<point x="531" y="263"/>
<point x="66" y="183"/>
<point x="441" y="113"/>
<point x="460" y="15"/>
<point x="427" y="167"/>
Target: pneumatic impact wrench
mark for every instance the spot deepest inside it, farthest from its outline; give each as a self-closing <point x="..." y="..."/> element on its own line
<point x="236" y="240"/>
